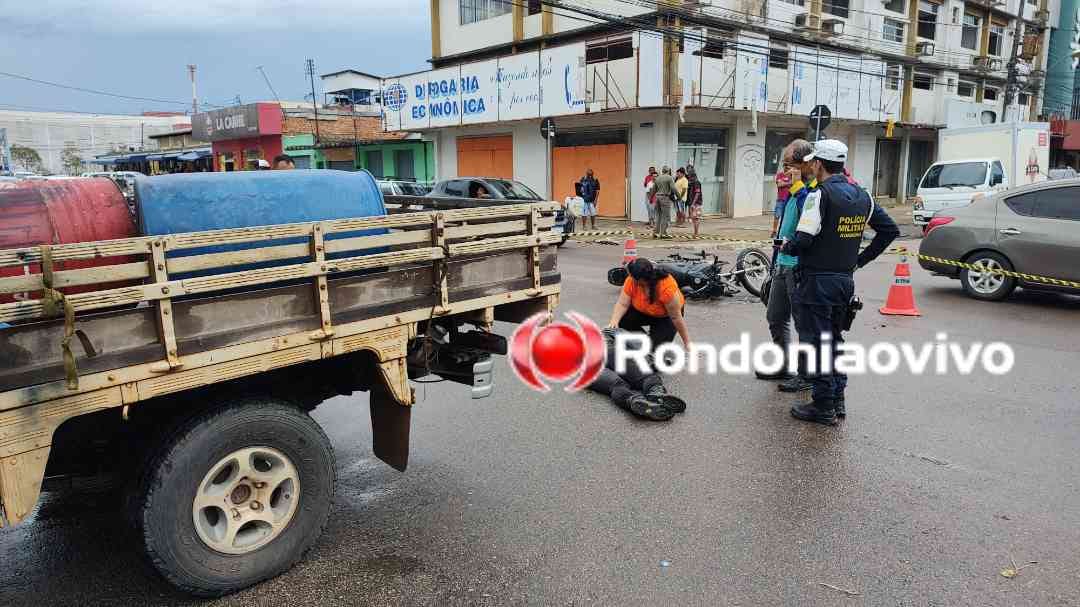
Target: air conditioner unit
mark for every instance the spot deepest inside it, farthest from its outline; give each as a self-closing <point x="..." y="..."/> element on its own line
<point x="1042" y="17"/>
<point x="802" y="21"/>
<point x="924" y="49"/>
<point x="982" y="62"/>
<point x="832" y="27"/>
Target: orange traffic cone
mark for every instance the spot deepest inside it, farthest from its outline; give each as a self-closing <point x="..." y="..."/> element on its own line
<point x="901" y="299"/>
<point x="629" y="251"/>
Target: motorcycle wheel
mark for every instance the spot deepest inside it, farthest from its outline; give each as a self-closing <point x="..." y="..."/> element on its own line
<point x="754" y="268"/>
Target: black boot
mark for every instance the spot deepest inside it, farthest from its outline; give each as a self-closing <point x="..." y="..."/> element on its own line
<point x="821" y="411"/>
<point x="643" y="407"/>
<point x="840" y="411"/>
<point x="795" y="384"/>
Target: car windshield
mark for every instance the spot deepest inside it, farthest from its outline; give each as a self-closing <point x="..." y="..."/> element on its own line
<point x="512" y="190"/>
<point x="412" y="189"/>
<point x="966" y="174"/>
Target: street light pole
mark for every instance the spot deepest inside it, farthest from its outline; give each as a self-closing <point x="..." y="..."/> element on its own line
<point x="314" y="101"/>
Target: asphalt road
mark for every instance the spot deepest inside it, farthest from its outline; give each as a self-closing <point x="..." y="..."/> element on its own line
<point x="928" y="491"/>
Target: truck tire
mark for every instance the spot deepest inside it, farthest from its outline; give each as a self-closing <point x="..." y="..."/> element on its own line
<point x="234" y="496"/>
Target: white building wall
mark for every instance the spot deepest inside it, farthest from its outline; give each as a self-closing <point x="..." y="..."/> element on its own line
<point x="49" y="133"/>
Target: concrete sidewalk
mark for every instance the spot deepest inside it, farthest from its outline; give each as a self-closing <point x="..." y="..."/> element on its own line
<point x="757" y="227"/>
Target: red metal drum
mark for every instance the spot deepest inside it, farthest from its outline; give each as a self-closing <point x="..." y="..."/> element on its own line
<point x="58" y="212"/>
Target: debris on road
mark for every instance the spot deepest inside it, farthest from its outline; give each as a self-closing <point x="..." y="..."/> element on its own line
<point x="844" y="591"/>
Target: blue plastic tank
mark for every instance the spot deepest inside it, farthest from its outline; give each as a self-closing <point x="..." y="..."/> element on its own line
<point x="196" y="202"/>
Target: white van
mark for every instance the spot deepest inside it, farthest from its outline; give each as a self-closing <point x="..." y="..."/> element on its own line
<point x="955" y="183"/>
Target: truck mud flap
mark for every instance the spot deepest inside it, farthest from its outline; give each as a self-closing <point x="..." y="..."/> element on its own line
<point x="390" y="424"/>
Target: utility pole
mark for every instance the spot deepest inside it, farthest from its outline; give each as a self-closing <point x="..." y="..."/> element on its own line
<point x="194" y="98"/>
<point x="1012" y="84"/>
<point x="314" y="101"/>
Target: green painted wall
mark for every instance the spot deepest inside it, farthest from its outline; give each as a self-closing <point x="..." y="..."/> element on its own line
<point x="423" y="158"/>
<point x="318" y="160"/>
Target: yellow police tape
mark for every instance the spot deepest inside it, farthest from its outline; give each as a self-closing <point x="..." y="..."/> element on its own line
<point x="1047" y="280"/>
<point x="1060" y="282"/>
<point x="677" y="236"/>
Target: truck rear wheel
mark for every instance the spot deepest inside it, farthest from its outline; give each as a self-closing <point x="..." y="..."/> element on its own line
<point x="235" y="496"/>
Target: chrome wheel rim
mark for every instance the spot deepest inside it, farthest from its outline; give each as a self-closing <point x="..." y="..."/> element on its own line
<point x="246" y="500"/>
<point x="985" y="280"/>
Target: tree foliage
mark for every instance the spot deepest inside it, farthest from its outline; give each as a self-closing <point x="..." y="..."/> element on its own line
<point x="71" y="159"/>
<point x="26" y="157"/>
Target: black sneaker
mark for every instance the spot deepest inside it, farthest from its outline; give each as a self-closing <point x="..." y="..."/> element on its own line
<point x="658" y="394"/>
<point x="643" y="407"/>
<point x="818" y="412"/>
<point x="795" y="384"/>
<point x="676" y="404"/>
<point x="840" y="411"/>
<point x="781" y="374"/>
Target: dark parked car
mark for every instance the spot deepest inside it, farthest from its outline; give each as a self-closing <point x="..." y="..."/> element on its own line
<point x="493" y="189"/>
<point x="1033" y="229"/>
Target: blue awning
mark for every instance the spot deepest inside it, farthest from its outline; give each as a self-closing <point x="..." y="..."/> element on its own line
<point x="194" y="155"/>
<point x="156" y="157"/>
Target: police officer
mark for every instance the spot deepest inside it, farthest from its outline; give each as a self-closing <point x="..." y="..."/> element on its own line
<point x="827" y="242"/>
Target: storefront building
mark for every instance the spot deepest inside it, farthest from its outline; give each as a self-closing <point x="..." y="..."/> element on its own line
<point x="240" y="136"/>
<point x="722" y="96"/>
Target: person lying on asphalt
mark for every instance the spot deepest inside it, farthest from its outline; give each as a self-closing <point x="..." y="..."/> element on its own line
<point x="638" y="390"/>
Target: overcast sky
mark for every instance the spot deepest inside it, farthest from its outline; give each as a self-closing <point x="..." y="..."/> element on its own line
<point x="142" y="47"/>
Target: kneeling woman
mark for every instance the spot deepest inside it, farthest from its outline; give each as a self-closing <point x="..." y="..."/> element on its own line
<point x="651" y="298"/>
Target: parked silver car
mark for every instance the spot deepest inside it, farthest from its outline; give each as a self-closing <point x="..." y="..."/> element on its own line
<point x="1033" y="229"/>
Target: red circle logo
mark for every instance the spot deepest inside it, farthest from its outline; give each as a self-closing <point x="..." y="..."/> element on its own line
<point x="558" y="351"/>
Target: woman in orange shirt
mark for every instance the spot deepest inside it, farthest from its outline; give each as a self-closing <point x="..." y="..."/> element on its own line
<point x="651" y="298"/>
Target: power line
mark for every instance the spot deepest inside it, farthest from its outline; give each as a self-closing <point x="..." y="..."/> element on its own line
<point x="97" y="92"/>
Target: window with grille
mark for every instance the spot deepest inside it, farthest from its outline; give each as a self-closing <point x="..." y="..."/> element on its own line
<point x="923" y="81"/>
<point x="965" y="89"/>
<point x="990" y="94"/>
<point x="896" y="6"/>
<point x="609" y="50"/>
<point x="471" y="11"/>
<point x="836" y="7"/>
<point x="893" y="76"/>
<point x="969" y="38"/>
<point x="928" y="16"/>
<point x="778" y="58"/>
<point x="893" y="30"/>
<point x="997" y="40"/>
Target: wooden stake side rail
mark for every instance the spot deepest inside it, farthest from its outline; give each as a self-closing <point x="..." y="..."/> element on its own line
<point x="161" y="276"/>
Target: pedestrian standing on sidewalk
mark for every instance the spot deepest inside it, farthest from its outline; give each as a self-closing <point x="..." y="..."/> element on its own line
<point x="590" y="190"/>
<point x="694" y="199"/>
<point x="783" y="183"/>
<point x="650" y="207"/>
<point x="682" y="185"/>
<point x="780" y="309"/>
<point x="664" y="190"/>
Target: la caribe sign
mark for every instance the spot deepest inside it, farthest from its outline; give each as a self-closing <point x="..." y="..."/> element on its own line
<point x="239" y="122"/>
<point x="548" y="82"/>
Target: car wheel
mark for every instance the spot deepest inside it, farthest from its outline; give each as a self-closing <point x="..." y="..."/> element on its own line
<point x="983" y="283"/>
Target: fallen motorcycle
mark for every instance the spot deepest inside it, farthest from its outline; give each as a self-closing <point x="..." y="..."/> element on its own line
<point x="702" y="276"/>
